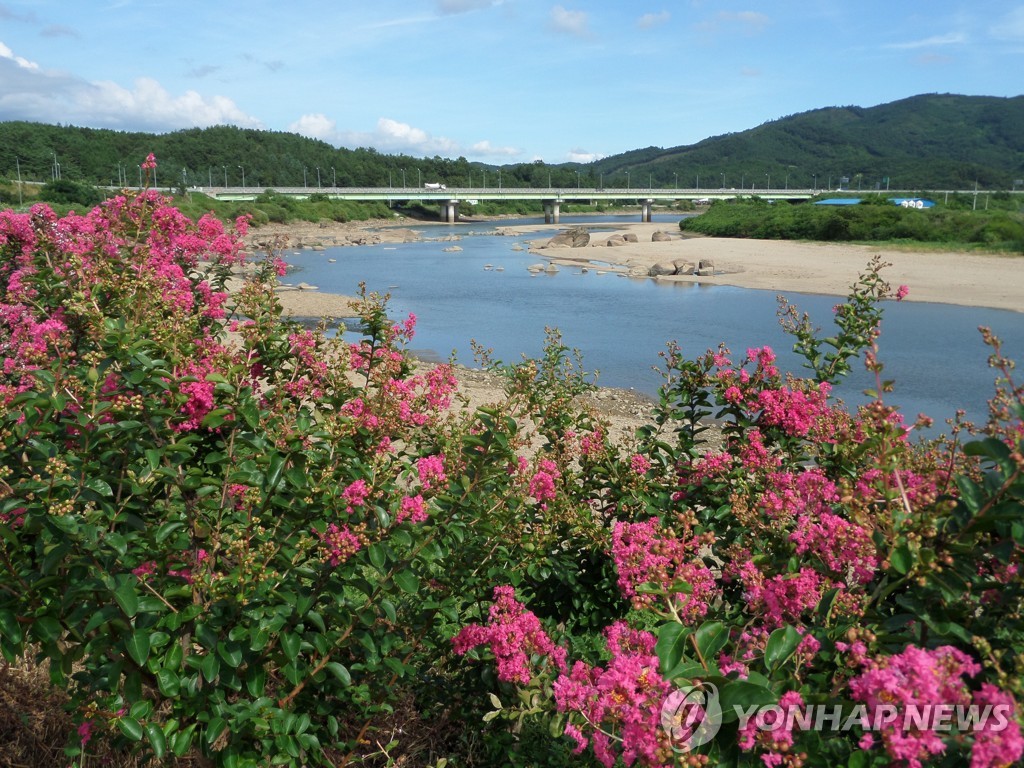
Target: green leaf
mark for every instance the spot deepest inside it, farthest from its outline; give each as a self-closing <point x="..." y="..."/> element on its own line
<point x="290" y="644"/>
<point x="340" y="672"/>
<point x="210" y="667"/>
<point x="378" y="557"/>
<point x="168" y="683"/>
<point x="100" y="486"/>
<point x="971" y="494"/>
<point x="671" y="646"/>
<point x="407" y="581"/>
<point x="157" y="740"/>
<point x="781" y="645"/>
<point x="231" y="653"/>
<point x="137" y="646"/>
<point x="181" y="742"/>
<point x="711" y="637"/>
<point x="743" y="695"/>
<point x="902" y="559"/>
<point x="126" y="598"/>
<point x="9" y="627"/>
<point x="165" y="531"/>
<point x="130" y="727"/>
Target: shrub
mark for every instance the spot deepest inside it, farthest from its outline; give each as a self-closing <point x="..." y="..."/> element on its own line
<point x="248" y="543"/>
<point x="819" y="562"/>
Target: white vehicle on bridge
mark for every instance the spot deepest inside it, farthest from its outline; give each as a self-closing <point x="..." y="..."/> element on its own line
<point x="434" y="185"/>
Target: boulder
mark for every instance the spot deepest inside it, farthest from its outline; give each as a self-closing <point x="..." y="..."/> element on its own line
<point x="705" y="267"/>
<point x="662" y="268"/>
<point x="615" y="240"/>
<point x="452" y="249"/>
<point x="630" y="237"/>
<point x="683" y="267"/>
<point x="638" y="272"/>
<point x="535" y="268"/>
<point x="577" y="237"/>
<point x="660" y="237"/>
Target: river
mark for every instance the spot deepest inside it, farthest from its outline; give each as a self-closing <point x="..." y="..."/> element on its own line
<point x="933" y="352"/>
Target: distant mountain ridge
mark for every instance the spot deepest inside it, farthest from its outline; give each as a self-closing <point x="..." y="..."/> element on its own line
<point x="927" y="141"/>
<point x="931" y="141"/>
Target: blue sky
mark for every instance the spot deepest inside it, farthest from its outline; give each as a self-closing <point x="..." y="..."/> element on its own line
<point x="499" y="81"/>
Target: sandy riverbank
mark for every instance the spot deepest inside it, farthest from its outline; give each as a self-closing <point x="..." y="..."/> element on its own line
<point x="967" y="279"/>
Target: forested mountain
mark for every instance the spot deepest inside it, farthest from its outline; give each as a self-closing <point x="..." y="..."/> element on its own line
<point x="924" y="142"/>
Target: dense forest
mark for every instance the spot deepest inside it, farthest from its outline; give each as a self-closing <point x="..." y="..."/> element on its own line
<point x="924" y="142"/>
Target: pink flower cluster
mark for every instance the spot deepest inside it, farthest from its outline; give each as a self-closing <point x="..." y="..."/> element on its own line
<point x="923" y="678"/>
<point x="646" y="554"/>
<point x="413" y="509"/>
<point x="780" y="599"/>
<point x="621" y="702"/>
<point x="542" y="484"/>
<point x="431" y="470"/>
<point x="773" y="731"/>
<point x="514" y="635"/>
<point x="339" y="544"/>
<point x="355" y="495"/>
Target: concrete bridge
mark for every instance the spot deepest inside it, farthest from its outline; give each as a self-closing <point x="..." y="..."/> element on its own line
<point x="552" y="198"/>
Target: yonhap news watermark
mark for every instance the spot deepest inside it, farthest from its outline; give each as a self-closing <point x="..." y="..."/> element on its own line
<point x="693" y="715"/>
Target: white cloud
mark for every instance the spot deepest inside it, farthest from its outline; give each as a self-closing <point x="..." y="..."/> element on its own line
<point x="316" y="126"/>
<point x="1010" y="27"/>
<point x="486" y="148"/>
<point x="389" y="136"/>
<point x="649" y="20"/>
<point x="583" y="156"/>
<point x="27" y="92"/>
<point x="953" y="38"/>
<point x="570" y="22"/>
<point x="7" y="53"/>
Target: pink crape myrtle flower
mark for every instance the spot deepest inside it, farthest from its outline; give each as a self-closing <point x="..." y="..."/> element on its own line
<point x="431" y="470"/>
<point x="514" y="635"/>
<point x="645" y="553"/>
<point x="339" y="544"/>
<point x="355" y="495"/>
<point x="413" y="509"/>
<point x="623" y="700"/>
<point x="922" y="678"/>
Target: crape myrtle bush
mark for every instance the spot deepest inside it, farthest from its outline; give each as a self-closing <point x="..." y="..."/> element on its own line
<point x="816" y="558"/>
<point x="232" y="538"/>
<point x="247" y="543"/>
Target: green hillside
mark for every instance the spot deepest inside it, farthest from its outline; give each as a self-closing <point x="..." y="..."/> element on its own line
<point x="924" y="142"/>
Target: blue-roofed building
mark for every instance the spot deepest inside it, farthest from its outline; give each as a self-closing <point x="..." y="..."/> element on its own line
<point x="912" y="202"/>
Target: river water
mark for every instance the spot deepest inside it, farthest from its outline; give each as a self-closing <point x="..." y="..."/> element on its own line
<point x="933" y="352"/>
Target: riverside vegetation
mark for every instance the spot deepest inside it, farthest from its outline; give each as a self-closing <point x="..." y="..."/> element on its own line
<point x="278" y="546"/>
<point x="875" y="219"/>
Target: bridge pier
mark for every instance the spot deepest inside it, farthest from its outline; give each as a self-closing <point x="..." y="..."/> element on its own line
<point x="551" y="211"/>
<point x="450" y="211"/>
<point x="645" y="210"/>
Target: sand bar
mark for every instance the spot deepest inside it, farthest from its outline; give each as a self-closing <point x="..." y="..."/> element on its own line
<point x="968" y="279"/>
